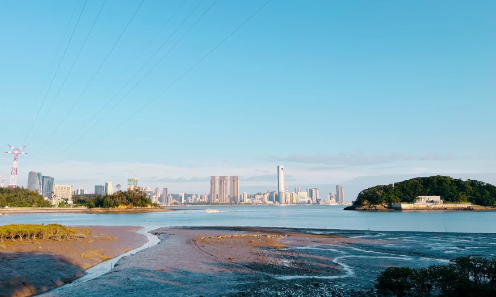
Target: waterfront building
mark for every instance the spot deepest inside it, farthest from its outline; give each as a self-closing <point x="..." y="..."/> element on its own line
<point x="40" y="182"/>
<point x="181" y="198"/>
<point x="48" y="182"/>
<point x="108" y="188"/>
<point x="223" y="190"/>
<point x="62" y="192"/>
<point x="234" y="188"/>
<point x="245" y="197"/>
<point x="213" y="189"/>
<point x="340" y="194"/>
<point x="294" y="198"/>
<point x="100" y="190"/>
<point x="313" y="194"/>
<point x="280" y="184"/>
<point x="303" y="197"/>
<point x="165" y="196"/>
<point x="33" y="182"/>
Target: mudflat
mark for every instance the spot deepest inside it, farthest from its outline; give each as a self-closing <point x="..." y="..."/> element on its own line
<point x="33" y="267"/>
<point x="246" y="261"/>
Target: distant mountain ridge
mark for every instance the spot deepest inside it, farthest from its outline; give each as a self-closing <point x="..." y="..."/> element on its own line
<point x="450" y="189"/>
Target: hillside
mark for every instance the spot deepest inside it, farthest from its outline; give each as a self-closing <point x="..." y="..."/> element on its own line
<point x="450" y="190"/>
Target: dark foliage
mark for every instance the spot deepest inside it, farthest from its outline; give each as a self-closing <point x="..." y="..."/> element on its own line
<point x="20" y="197"/>
<point x="465" y="276"/>
<point x="115" y="200"/>
<point x="450" y="190"/>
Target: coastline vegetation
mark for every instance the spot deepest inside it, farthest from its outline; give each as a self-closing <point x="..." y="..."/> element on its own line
<point x="464" y="276"/>
<point x="31" y="232"/>
<point x="130" y="198"/>
<point x="450" y="189"/>
<point x="19" y="197"/>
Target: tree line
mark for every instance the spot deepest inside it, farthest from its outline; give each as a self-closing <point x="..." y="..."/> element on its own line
<point x="117" y="199"/>
<point x="19" y="197"/>
<point x="450" y="190"/>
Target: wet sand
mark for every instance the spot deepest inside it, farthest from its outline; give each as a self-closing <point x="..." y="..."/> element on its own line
<point x="236" y="261"/>
<point x="32" y="267"/>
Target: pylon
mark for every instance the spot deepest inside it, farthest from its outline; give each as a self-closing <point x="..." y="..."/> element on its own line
<point x="2" y="178"/>
<point x="13" y="173"/>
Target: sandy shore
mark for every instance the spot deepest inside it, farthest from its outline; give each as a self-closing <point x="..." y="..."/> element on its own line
<point x="80" y="210"/>
<point x="234" y="261"/>
<point x="29" y="268"/>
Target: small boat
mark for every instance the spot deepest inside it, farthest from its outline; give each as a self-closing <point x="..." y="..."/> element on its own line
<point x="212" y="210"/>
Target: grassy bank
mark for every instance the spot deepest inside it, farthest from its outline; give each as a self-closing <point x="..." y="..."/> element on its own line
<point x="36" y="232"/>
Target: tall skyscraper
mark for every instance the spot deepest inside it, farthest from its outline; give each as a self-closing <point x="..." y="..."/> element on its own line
<point x="340" y="194"/>
<point x="234" y="188"/>
<point x="280" y="184"/>
<point x="165" y="196"/>
<point x="213" y="189"/>
<point x="223" y="190"/>
<point x="313" y="194"/>
<point x="33" y="182"/>
<point x="181" y="198"/>
<point x="47" y="186"/>
<point x="100" y="190"/>
<point x="108" y="188"/>
<point x="40" y="181"/>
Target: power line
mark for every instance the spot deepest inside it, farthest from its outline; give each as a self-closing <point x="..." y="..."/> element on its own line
<point x="91" y="80"/>
<point x="48" y="74"/>
<point x="127" y="68"/>
<point x="72" y="34"/>
<point x="173" y="83"/>
<point x="143" y="67"/>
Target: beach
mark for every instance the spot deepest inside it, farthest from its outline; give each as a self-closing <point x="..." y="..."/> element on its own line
<point x="256" y="261"/>
<point x="33" y="267"/>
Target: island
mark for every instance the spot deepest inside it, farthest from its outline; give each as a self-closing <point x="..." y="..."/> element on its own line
<point x="428" y="193"/>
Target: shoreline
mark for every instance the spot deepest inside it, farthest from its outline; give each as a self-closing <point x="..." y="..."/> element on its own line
<point x="34" y="267"/>
<point x="5" y="211"/>
<point x="382" y="208"/>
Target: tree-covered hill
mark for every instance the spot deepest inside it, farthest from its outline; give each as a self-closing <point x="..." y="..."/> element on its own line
<point x="21" y="198"/>
<point x="450" y="190"/>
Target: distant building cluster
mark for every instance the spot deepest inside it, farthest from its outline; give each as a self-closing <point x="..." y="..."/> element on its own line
<point x="223" y="190"/>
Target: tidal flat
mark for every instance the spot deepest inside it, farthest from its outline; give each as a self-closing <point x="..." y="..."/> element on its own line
<point x="257" y="261"/>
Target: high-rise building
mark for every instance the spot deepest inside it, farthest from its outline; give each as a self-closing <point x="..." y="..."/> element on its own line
<point x="33" y="182"/>
<point x="340" y="194"/>
<point x="80" y="191"/>
<point x="181" y="198"/>
<point x="223" y="190"/>
<point x="234" y="188"/>
<point x="280" y="184"/>
<point x="47" y="186"/>
<point x="165" y="196"/>
<point x="245" y="197"/>
<point x="40" y="182"/>
<point x="62" y="192"/>
<point x="313" y="194"/>
<point x="100" y="190"/>
<point x="213" y="189"/>
<point x="108" y="188"/>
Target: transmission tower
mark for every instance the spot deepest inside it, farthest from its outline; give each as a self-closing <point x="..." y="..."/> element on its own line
<point x="13" y="173"/>
<point x="2" y="178"/>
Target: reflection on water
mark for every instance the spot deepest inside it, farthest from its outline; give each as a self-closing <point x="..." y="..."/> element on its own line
<point x="322" y="217"/>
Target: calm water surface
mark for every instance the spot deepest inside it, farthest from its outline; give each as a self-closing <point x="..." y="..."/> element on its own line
<point x="330" y="217"/>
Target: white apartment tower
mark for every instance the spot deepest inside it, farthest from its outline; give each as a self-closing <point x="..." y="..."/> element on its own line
<point x="108" y="188"/>
<point x="223" y="190"/>
<point x="234" y="188"/>
<point x="213" y="189"/>
<point x="340" y="194"/>
<point x="280" y="184"/>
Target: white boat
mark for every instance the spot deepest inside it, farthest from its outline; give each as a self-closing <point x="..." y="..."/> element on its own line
<point x="212" y="210"/>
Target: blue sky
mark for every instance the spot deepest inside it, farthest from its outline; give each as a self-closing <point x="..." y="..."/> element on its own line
<point x="351" y="92"/>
